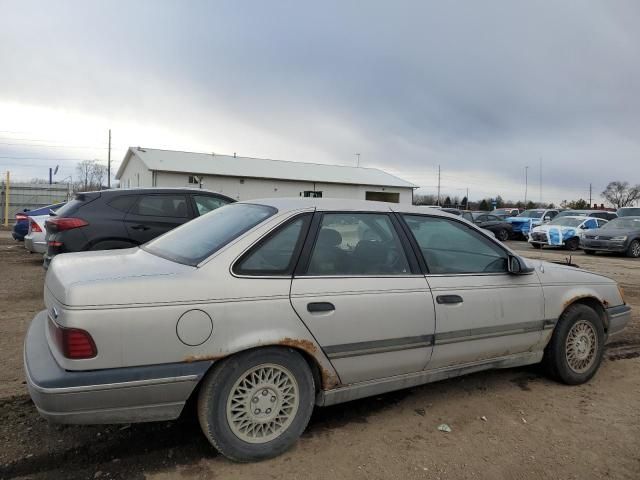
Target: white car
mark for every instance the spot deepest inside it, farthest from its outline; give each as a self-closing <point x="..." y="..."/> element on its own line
<point x="35" y="240"/>
<point x="261" y="310"/>
<point x="564" y="231"/>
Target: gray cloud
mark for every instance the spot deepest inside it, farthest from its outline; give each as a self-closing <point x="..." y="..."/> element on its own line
<point x="476" y="87"/>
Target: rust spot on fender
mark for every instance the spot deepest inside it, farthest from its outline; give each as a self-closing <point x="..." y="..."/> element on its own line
<point x="605" y="303"/>
<point x="329" y="380"/>
<point x="306" y="345"/>
<point x="200" y="358"/>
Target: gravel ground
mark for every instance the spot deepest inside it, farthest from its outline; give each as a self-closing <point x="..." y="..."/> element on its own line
<point x="505" y="424"/>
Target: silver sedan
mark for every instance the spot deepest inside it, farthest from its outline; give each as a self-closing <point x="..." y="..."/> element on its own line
<point x="262" y="310"/>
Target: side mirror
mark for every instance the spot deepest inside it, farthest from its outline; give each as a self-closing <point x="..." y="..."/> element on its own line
<point x="517" y="266"/>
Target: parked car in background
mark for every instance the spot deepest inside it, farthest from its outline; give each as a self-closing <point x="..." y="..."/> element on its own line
<point x="124" y="218"/>
<point x="525" y="221"/>
<point x="453" y="211"/>
<point x="604" y="214"/>
<point x="500" y="228"/>
<point x="35" y="241"/>
<point x="261" y="310"/>
<point x="621" y="235"/>
<point x="505" y="212"/>
<point x="564" y="231"/>
<point x="21" y="227"/>
<point x="629" y="212"/>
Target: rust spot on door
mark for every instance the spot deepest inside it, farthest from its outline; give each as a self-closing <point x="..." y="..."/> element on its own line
<point x="200" y="358"/>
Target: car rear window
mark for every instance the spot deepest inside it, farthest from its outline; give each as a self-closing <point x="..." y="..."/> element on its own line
<point x="196" y="240"/>
<point x="69" y="207"/>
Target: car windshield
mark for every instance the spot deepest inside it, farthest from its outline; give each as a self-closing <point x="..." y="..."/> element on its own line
<point x="629" y="212"/>
<point x="532" y="213"/>
<point x="196" y="240"/>
<point x="567" y="222"/>
<point x="501" y="211"/>
<point x="626" y="223"/>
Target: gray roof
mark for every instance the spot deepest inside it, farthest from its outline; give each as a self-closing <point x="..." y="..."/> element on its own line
<point x="225" y="165"/>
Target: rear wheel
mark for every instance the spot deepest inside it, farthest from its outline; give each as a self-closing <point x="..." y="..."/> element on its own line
<point x="536" y="245"/>
<point x="503" y="235"/>
<point x="575" y="351"/>
<point x="256" y="404"/>
<point x="634" y="249"/>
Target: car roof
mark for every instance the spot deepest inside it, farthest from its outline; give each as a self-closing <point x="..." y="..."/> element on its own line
<point x="142" y="190"/>
<point x="577" y="217"/>
<point x="341" y="204"/>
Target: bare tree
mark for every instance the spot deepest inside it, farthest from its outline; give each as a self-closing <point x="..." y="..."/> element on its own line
<point x="91" y="175"/>
<point x="621" y="194"/>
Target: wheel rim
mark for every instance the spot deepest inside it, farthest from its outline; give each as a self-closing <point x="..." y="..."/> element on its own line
<point x="262" y="403"/>
<point x="504" y="235"/>
<point x="581" y="346"/>
<point x="635" y="249"/>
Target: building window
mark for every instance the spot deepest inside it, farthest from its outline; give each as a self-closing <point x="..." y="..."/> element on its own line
<point x="312" y="194"/>
<point x="193" y="180"/>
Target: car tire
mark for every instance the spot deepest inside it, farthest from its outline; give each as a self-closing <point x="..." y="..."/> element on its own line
<point x="575" y="350"/>
<point x="537" y="245"/>
<point x="634" y="249"/>
<point x="254" y="405"/>
<point x="503" y="235"/>
<point x="572" y="244"/>
<point x="590" y="252"/>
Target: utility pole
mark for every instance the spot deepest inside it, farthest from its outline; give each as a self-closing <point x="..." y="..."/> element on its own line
<point x="526" y="184"/>
<point x="6" y="201"/>
<point x="438" y="185"/>
<point x="357" y="159"/>
<point x="590" y="188"/>
<point x="466" y="207"/>
<point x="540" y="181"/>
<point x="109" y="162"/>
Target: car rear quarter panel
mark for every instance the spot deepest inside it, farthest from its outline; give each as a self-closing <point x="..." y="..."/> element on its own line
<point x="142" y="330"/>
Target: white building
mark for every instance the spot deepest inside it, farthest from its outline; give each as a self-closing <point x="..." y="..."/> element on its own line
<point x="244" y="178"/>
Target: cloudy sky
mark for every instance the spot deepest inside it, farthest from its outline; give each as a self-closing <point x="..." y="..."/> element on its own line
<point x="483" y="89"/>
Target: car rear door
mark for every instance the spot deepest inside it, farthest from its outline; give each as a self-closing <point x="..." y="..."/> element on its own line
<point x="359" y="290"/>
<point x="482" y="311"/>
<point x="156" y="213"/>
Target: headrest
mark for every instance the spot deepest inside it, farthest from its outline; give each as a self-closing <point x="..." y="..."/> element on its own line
<point x="329" y="237"/>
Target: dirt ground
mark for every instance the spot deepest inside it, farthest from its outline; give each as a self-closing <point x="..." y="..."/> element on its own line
<point x="511" y="424"/>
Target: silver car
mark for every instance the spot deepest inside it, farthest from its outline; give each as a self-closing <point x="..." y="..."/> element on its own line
<point x="262" y="310"/>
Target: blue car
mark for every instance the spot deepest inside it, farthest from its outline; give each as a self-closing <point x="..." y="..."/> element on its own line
<point x="21" y="227"/>
<point x="528" y="219"/>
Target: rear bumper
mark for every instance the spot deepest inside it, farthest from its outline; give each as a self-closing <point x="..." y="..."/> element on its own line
<point x="618" y="317"/>
<point x="35" y="246"/>
<point x="118" y="395"/>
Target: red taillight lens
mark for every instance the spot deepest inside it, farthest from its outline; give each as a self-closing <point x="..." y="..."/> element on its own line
<point x="20" y="217"/>
<point x="74" y="343"/>
<point x="34" y="226"/>
<point x="60" y="224"/>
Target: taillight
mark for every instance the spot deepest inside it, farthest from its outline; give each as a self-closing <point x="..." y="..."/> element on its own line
<point x="61" y="224"/>
<point x="34" y="226"/>
<point x="74" y="343"/>
<point x="20" y="217"/>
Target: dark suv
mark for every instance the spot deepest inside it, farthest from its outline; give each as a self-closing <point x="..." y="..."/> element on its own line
<point x="124" y="218"/>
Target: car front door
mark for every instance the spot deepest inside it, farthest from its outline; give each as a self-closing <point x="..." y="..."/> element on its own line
<point x="155" y="214"/>
<point x="482" y="311"/>
<point x="359" y="290"/>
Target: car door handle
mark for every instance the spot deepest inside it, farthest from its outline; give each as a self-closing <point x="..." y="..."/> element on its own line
<point x="449" y="299"/>
<point x="140" y="227"/>
<point x="317" y="307"/>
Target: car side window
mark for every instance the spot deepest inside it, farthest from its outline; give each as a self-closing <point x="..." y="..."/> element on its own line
<point x="162" y="206"/>
<point x="206" y="203"/>
<point x="601" y="222"/>
<point x="276" y="254"/>
<point x="551" y="214"/>
<point x="482" y="218"/>
<point x="357" y="244"/>
<point x="467" y="216"/>
<point x="123" y="203"/>
<point x="493" y="218"/>
<point x="449" y="247"/>
<point x="591" y="223"/>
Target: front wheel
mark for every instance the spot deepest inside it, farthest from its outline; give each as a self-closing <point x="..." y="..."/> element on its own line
<point x="256" y="404"/>
<point x="503" y="235"/>
<point x="575" y="351"/>
<point x="572" y="244"/>
<point x="536" y="245"/>
<point x="634" y="249"/>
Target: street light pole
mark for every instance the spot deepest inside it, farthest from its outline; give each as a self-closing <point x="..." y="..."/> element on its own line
<point x="526" y="184"/>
